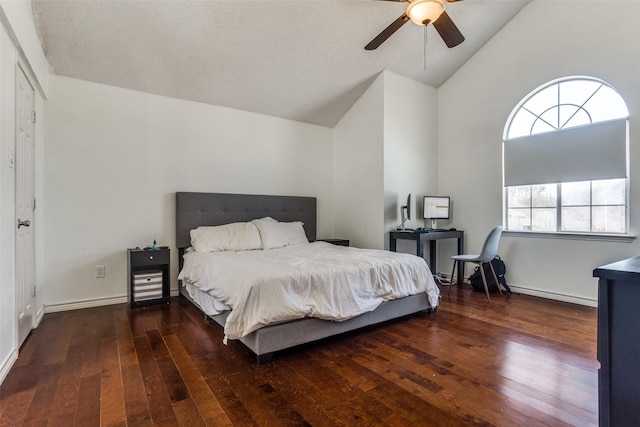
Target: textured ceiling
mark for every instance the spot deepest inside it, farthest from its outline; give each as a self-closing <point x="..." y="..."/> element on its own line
<point x="302" y="60"/>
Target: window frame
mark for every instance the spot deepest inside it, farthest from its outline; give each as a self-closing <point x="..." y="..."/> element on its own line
<point x="558" y="207"/>
<point x="624" y="236"/>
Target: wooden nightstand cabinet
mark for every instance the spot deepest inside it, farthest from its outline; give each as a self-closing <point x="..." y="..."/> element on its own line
<point x="148" y="276"/>
<point x="339" y="242"/>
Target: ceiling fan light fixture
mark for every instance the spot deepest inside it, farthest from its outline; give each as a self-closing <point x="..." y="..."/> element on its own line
<point x="423" y="12"/>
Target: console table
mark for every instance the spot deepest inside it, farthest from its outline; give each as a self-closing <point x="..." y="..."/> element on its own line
<point x="420" y="237"/>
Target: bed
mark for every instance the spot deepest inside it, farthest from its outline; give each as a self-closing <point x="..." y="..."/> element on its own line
<point x="202" y="210"/>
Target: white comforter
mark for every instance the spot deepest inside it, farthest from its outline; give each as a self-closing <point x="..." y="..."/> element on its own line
<point x="310" y="280"/>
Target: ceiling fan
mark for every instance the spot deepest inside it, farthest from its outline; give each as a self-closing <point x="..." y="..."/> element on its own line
<point x="423" y="12"/>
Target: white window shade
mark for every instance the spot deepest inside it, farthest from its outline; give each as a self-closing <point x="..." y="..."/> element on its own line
<point x="587" y="153"/>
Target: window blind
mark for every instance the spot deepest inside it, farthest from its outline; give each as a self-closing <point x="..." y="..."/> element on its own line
<point x="586" y="153"/>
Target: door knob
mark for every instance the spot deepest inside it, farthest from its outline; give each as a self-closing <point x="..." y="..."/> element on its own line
<point x="25" y="223"/>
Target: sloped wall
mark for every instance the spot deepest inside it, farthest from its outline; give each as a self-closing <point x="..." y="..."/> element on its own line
<point x="547" y="40"/>
<point x="115" y="158"/>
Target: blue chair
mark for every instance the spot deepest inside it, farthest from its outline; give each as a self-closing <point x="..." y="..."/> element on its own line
<point x="489" y="252"/>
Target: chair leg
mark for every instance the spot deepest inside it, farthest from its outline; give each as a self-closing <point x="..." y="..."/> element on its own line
<point x="484" y="282"/>
<point x="452" y="276"/>
<point x="495" y="277"/>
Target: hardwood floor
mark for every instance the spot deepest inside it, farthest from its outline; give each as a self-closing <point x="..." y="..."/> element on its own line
<point x="518" y="361"/>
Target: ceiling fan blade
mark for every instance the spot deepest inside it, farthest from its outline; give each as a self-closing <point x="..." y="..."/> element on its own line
<point x="387" y="32"/>
<point x="448" y="30"/>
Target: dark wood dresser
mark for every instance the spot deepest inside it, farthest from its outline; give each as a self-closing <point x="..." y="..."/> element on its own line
<point x="619" y="342"/>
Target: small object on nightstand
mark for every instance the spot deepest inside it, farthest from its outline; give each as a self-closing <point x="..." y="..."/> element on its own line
<point x="148" y="276"/>
<point x="339" y="242"/>
<point x="155" y="246"/>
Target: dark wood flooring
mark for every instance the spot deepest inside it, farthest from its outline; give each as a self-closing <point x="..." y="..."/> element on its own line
<point x="518" y="361"/>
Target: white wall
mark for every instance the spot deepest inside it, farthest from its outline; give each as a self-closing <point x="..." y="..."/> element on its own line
<point x="547" y="40"/>
<point x="384" y="148"/>
<point x="410" y="151"/>
<point x="358" y="165"/>
<point x="115" y="158"/>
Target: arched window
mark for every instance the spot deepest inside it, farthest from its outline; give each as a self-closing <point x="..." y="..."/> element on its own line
<point x="565" y="159"/>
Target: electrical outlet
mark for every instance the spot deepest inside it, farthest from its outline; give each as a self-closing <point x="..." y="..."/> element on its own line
<point x="99" y="271"/>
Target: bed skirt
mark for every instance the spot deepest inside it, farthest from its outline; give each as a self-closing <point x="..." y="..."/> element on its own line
<point x="269" y="339"/>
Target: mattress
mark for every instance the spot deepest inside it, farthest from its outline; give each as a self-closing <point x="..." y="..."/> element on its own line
<point x="320" y="280"/>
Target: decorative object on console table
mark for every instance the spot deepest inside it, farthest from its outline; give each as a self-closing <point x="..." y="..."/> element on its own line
<point x="339" y="242"/>
<point x="148" y="276"/>
<point x="618" y="342"/>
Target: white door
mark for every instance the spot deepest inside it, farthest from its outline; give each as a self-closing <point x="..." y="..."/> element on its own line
<point x="25" y="204"/>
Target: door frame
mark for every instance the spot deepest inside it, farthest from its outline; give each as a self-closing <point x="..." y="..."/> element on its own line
<point x="21" y="68"/>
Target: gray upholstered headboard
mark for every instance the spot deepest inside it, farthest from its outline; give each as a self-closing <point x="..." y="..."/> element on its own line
<point x="196" y="209"/>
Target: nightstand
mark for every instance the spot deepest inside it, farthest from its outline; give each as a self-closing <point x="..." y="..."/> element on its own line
<point x="339" y="242"/>
<point x="148" y="276"/>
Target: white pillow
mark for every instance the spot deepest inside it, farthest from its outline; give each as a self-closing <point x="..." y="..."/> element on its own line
<point x="280" y="234"/>
<point x="265" y="219"/>
<point x="238" y="236"/>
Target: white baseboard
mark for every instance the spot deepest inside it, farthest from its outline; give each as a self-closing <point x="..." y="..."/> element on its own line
<point x="75" y="305"/>
<point x="545" y="294"/>
<point x="554" y="296"/>
<point x="7" y="363"/>
<point x="39" y="316"/>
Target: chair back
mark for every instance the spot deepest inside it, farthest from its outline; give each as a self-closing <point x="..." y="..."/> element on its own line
<point x="490" y="247"/>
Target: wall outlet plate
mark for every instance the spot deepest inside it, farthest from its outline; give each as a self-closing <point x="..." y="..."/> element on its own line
<point x="100" y="271"/>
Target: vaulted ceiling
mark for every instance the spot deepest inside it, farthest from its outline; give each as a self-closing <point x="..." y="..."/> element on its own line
<point x="302" y="60"/>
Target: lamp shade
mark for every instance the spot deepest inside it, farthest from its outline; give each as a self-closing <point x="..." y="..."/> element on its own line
<point x="423" y="12"/>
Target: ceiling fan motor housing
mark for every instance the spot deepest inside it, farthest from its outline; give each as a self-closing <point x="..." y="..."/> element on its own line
<point x="424" y="12"/>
